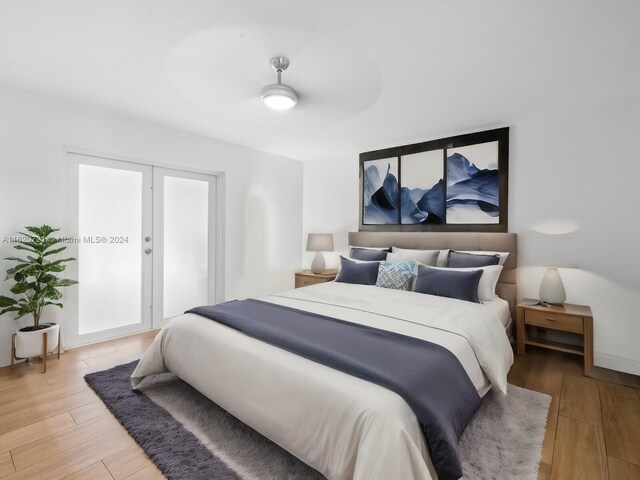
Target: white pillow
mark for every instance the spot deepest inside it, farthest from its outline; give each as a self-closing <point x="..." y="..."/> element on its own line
<point x="503" y="255"/>
<point x="426" y="257"/>
<point x="368" y="248"/>
<point x="355" y="260"/>
<point x="410" y="254"/>
<point x="488" y="281"/>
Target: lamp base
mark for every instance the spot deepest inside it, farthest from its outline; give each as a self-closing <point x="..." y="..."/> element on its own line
<point x="318" y="265"/>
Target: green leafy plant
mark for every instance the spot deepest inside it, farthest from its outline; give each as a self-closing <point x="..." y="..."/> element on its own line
<point x="34" y="277"/>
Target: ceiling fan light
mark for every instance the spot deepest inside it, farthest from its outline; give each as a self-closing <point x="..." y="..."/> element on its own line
<point x="279" y="97"/>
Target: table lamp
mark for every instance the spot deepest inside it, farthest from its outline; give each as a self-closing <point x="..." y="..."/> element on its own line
<point x="319" y="242"/>
<point x="552" y="289"/>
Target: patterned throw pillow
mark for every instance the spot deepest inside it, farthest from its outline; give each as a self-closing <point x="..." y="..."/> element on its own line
<point x="398" y="276"/>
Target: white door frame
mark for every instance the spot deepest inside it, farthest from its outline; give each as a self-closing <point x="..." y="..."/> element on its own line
<point x="72" y="335"/>
<point x="158" y="237"/>
<point x="71" y="302"/>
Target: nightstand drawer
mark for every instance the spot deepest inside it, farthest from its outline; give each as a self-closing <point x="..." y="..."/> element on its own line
<point x="566" y="323"/>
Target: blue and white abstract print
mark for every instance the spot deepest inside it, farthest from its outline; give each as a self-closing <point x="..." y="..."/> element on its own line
<point x="380" y="192"/>
<point x="446" y="186"/>
<point x="422" y="195"/>
<point x="472" y="184"/>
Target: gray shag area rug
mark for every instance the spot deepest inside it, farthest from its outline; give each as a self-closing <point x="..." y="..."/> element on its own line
<point x="190" y="438"/>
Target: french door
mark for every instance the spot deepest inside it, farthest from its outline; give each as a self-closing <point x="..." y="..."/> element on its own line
<point x="145" y="244"/>
<point x="184" y="225"/>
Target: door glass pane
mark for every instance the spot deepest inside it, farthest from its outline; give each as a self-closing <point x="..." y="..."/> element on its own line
<point x="186" y="240"/>
<point x="109" y="252"/>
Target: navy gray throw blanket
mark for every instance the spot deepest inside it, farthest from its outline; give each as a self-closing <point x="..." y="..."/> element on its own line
<point x="429" y="377"/>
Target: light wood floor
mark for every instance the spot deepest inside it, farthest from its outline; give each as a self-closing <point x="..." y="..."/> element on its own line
<point x="593" y="427"/>
<point x="52" y="426"/>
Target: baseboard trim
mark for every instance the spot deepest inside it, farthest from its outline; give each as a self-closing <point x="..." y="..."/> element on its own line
<point x="619" y="364"/>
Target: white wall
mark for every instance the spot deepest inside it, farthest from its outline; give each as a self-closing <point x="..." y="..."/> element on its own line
<point x="263" y="191"/>
<point x="572" y="167"/>
<point x="330" y="203"/>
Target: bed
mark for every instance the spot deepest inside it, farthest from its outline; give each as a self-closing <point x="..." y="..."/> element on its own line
<point x="506" y="289"/>
<point x="343" y="426"/>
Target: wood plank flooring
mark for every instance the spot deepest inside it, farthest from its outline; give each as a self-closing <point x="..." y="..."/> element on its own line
<point x="593" y="427"/>
<point x="53" y="427"/>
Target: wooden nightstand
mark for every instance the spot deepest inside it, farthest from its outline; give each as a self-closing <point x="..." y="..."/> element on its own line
<point x="567" y="318"/>
<point x="307" y="277"/>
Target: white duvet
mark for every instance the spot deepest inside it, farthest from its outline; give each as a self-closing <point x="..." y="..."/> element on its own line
<point x="343" y="426"/>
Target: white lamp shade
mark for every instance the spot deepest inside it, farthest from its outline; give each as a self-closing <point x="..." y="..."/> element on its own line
<point x="320" y="242"/>
<point x="552" y="289"/>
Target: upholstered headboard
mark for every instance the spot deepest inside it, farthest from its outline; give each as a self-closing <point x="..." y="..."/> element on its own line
<point x="497" y="242"/>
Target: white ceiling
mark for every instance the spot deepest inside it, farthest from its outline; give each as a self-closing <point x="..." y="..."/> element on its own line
<point x="370" y="73"/>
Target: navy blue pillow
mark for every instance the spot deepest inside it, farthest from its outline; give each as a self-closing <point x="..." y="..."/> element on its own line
<point x="470" y="260"/>
<point x="368" y="254"/>
<point x="365" y="273"/>
<point x="445" y="283"/>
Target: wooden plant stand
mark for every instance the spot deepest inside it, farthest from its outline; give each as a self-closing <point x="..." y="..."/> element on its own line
<point x="44" y="351"/>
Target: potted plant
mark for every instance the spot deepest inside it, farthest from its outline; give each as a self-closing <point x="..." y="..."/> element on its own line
<point x="36" y="286"/>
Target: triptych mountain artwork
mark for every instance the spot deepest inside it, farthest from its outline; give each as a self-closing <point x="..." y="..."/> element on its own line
<point x="436" y="187"/>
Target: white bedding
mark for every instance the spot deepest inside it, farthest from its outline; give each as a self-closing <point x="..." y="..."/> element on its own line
<point x="342" y="426"/>
<point x="500" y="308"/>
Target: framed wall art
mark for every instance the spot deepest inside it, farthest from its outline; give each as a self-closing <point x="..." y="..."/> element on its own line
<point x="455" y="184"/>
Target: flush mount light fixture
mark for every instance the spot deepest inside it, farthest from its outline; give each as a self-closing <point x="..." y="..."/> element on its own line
<point x="277" y="95"/>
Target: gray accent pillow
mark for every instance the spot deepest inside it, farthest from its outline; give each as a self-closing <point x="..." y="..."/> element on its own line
<point x="503" y="255"/>
<point x="441" y="261"/>
<point x="471" y="260"/>
<point x="427" y="257"/>
<point x="362" y="273"/>
<point x="444" y="283"/>
<point x="367" y="254"/>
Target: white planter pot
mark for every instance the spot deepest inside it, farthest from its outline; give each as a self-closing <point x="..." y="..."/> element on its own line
<point x="29" y="344"/>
